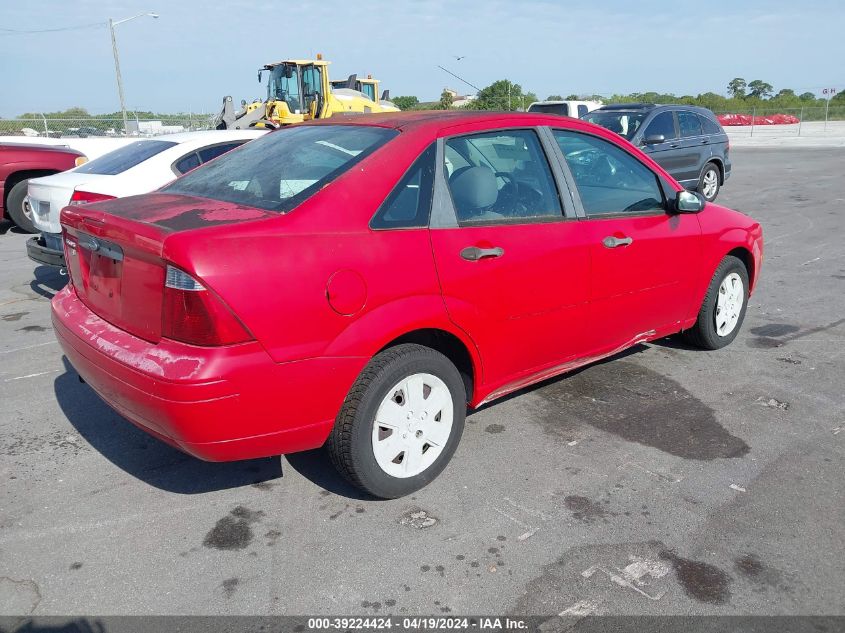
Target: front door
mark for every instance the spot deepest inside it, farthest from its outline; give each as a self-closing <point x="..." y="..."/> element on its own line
<point x="514" y="272"/>
<point x="643" y="257"/>
<point x="666" y="154"/>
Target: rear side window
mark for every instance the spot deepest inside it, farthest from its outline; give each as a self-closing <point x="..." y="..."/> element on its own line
<point x="582" y="110"/>
<point x="278" y="171"/>
<point x="210" y="153"/>
<point x="709" y="125"/>
<point x="124" y="158"/>
<point x="663" y="123"/>
<point x="689" y="123"/>
<point x="187" y="163"/>
<point x="409" y="204"/>
<point x="610" y="181"/>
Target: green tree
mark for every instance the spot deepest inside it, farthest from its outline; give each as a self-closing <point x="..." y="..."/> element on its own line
<point x="445" y="100"/>
<point x="406" y="102"/>
<point x="838" y="98"/>
<point x="554" y="98"/>
<point x="502" y="95"/>
<point x="785" y="93"/>
<point x="807" y="96"/>
<point x="760" y="89"/>
<point x="736" y="87"/>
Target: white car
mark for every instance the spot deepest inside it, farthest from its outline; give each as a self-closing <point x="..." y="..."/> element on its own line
<point x="574" y="109"/>
<point x="138" y="167"/>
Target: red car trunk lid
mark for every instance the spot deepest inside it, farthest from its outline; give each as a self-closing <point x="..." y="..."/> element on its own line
<point x="116" y="256"/>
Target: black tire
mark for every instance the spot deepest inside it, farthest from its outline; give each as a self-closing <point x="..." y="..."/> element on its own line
<point x="710" y="170"/>
<point x="350" y="443"/>
<point x="14" y="205"/>
<point x="704" y="333"/>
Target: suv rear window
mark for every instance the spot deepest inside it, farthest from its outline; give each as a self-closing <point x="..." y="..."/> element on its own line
<point x="124" y="158"/>
<point x="279" y="170"/>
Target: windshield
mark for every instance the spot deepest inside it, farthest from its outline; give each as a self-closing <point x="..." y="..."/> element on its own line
<point x="126" y="157"/>
<point x="619" y="121"/>
<point x="281" y="88"/>
<point x="280" y="170"/>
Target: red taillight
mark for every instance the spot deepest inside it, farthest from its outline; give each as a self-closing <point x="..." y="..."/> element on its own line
<point x="84" y="197"/>
<point x="193" y="314"/>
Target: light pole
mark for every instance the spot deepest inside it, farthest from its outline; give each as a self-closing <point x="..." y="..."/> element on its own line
<point x="112" y="24"/>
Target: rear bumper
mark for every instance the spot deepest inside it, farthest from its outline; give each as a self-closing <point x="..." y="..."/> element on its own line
<point x="218" y="404"/>
<point x="38" y="251"/>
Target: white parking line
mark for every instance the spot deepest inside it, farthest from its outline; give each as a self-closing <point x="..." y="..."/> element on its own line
<point x="20" y="349"/>
<point x="40" y="373"/>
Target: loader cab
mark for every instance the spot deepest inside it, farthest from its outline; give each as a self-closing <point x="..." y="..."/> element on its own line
<point x="296" y="91"/>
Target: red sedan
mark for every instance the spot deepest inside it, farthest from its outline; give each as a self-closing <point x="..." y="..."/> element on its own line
<point x="361" y="281"/>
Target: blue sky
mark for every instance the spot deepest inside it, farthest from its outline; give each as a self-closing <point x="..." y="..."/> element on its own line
<point x="197" y="52"/>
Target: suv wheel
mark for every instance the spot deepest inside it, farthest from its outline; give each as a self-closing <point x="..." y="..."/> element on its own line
<point x="708" y="184"/>
<point x="400" y="423"/>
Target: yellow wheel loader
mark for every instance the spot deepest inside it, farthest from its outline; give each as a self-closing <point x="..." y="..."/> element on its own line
<point x="299" y="90"/>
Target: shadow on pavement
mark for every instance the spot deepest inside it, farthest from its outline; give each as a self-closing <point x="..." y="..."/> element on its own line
<point x="145" y="457"/>
<point x="317" y="467"/>
<point x="48" y="281"/>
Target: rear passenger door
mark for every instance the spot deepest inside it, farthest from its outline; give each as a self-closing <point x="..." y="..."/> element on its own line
<point x="511" y="256"/>
<point x="694" y="150"/>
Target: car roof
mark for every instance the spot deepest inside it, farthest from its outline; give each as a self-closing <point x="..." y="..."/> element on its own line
<point x="206" y="136"/>
<point x="437" y="119"/>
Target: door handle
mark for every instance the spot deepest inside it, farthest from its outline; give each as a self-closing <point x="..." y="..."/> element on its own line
<point x="673" y="145"/>
<point x="474" y="253"/>
<point x="613" y="242"/>
<point x="705" y="141"/>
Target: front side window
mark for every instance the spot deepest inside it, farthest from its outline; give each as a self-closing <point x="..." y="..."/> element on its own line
<point x="501" y="177"/>
<point x="279" y="170"/>
<point x="124" y="158"/>
<point x="689" y="124"/>
<point x="409" y="204"/>
<point x="664" y="124"/>
<point x="610" y="181"/>
<point x="582" y="110"/>
<point x="284" y="86"/>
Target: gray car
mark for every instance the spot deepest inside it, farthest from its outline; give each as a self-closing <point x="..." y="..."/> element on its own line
<point x="687" y="141"/>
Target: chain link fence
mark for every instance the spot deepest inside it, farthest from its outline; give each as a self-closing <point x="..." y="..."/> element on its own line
<point x="810" y="121"/>
<point x="98" y="127"/>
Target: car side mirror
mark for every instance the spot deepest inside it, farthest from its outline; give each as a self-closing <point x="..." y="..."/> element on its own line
<point x="689" y="202"/>
<point x="654" y="139"/>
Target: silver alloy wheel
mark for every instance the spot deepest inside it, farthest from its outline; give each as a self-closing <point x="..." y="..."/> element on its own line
<point x="710" y="183"/>
<point x="729" y="304"/>
<point x="412" y="425"/>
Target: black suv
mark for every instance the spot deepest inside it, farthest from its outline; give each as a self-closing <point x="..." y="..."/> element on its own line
<point x="687" y="141"/>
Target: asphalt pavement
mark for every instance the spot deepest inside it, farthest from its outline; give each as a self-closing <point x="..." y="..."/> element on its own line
<point x="666" y="480"/>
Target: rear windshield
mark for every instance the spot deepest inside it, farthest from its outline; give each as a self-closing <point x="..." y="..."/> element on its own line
<point x="126" y="157"/>
<point x="279" y="170"/>
<point x="622" y="122"/>
<point x="550" y="108"/>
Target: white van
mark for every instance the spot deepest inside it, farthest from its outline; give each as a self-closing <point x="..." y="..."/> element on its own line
<point x="575" y="109"/>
